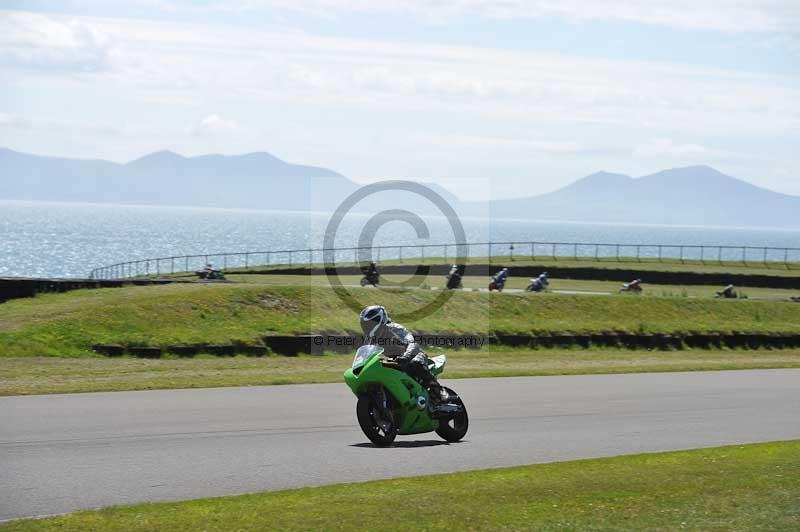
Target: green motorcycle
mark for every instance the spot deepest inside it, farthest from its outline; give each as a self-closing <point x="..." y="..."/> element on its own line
<point x="391" y="402"/>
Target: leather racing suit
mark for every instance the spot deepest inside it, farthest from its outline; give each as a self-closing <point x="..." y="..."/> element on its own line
<point x="400" y="345"/>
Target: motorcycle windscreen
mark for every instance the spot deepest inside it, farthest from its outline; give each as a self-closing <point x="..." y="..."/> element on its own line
<point x="365" y="353"/>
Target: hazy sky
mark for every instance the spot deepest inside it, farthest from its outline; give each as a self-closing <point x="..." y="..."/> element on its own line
<point x="486" y="97"/>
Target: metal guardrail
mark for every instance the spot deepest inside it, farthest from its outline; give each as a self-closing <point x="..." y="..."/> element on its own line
<point x="494" y="251"/>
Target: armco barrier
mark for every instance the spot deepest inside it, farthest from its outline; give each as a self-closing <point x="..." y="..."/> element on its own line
<point x="317" y="344"/>
<point x="314" y="344"/>
<point x="559" y="272"/>
<point x="18" y="287"/>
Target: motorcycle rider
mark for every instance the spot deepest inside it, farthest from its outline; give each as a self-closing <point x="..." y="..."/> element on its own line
<point x="372" y="272"/>
<point x="540" y="283"/>
<point x="500" y="278"/>
<point x="399" y="345"/>
<point x="454" y="277"/>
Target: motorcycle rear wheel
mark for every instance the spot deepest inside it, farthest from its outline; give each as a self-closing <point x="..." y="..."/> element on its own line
<point x="455" y="428"/>
<point x="365" y="412"/>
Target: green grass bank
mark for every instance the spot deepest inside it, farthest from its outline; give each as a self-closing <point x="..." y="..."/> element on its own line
<point x="68" y="324"/>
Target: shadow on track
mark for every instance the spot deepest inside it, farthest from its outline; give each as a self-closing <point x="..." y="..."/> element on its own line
<point x="404" y="444"/>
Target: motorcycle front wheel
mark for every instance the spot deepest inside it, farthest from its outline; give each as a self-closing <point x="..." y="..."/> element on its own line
<point x="367" y="413"/>
<point x="455" y="428"/>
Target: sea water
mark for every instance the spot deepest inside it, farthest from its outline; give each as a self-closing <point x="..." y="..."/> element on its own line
<point x="40" y="239"/>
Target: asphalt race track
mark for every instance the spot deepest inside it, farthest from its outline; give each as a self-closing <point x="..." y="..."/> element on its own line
<point x="61" y="453"/>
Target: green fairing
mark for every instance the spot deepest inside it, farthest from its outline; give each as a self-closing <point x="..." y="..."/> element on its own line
<point x="399" y="385"/>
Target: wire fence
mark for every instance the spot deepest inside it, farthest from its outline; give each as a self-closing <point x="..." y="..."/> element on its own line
<point x="786" y="257"/>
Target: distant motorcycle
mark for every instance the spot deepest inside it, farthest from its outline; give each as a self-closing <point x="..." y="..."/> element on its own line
<point x="210" y="274"/>
<point x="496" y="285"/>
<point x="370" y="279"/>
<point x="371" y="275"/>
<point x="539" y="284"/>
<point x="729" y="292"/>
<point x="633" y="286"/>
<point x="454" y="277"/>
<point x="498" y="281"/>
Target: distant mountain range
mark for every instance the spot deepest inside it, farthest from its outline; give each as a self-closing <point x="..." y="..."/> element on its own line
<point x="695" y="195"/>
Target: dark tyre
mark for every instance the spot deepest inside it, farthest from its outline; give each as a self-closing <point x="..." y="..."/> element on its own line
<point x="368" y="419"/>
<point x="455" y="428"/>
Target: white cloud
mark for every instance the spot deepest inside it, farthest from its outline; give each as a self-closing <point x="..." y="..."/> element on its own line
<point x="725" y="15"/>
<point x="666" y="148"/>
<point x="13" y="121"/>
<point x="36" y="41"/>
<point x="213" y="125"/>
<point x="499" y="145"/>
<point x="160" y="61"/>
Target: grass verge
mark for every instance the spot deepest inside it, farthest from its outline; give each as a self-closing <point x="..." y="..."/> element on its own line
<point x="40" y="375"/>
<point x="557" y="285"/>
<point x="746" y="487"/>
<point x="68" y="324"/>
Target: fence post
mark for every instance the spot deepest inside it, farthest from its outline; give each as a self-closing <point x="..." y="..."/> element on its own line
<point x="659" y="252"/>
<point x="617" y="252"/>
<point x="400" y="255"/>
<point x="681" y="254"/>
<point x="638" y="253"/>
<point x="172" y="265"/>
<point x="575" y="251"/>
<point x="246" y="260"/>
<point x="719" y="254"/>
<point x="765" y="256"/>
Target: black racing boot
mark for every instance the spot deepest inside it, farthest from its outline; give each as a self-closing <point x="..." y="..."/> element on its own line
<point x="436" y="394"/>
